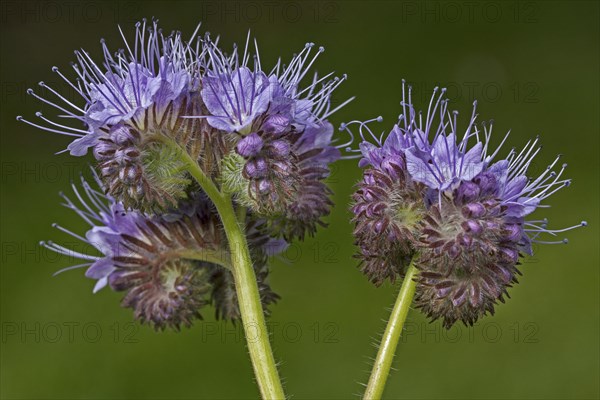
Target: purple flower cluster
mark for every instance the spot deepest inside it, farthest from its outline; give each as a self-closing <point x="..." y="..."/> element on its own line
<point x="161" y="96"/>
<point x="148" y="112"/>
<point x="443" y="198"/>
<point x="285" y="146"/>
<point x="171" y="265"/>
<point x="131" y="102"/>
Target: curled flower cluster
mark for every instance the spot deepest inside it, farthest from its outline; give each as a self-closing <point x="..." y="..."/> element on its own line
<point x="169" y="265"/>
<point x="448" y="203"/>
<point x="262" y="136"/>
<point x="159" y="111"/>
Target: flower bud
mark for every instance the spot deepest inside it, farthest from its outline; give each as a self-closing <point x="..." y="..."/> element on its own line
<point x="143" y="175"/>
<point x="277" y="124"/>
<point x="284" y="181"/>
<point x="388" y="208"/>
<point x="171" y="298"/>
<point x="487" y="183"/>
<point x="155" y="262"/>
<point x="467" y="192"/>
<point x="250" y="145"/>
<point x="468" y="256"/>
<point x="256" y="169"/>
<point x="474" y="210"/>
<point x="280" y="148"/>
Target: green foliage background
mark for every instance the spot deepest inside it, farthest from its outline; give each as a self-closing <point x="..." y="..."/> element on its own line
<point x="532" y="65"/>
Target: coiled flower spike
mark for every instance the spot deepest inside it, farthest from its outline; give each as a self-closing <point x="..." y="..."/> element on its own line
<point x="169" y="265"/>
<point x="285" y="143"/>
<point x="132" y="105"/>
<point x="452" y="206"/>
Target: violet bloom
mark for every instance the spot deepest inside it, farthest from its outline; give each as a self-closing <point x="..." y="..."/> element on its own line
<point x="170" y="266"/>
<point x="452" y="205"/>
<point x="263" y="136"/>
<point x="235" y="98"/>
<point x="130" y="104"/>
<point x="284" y="145"/>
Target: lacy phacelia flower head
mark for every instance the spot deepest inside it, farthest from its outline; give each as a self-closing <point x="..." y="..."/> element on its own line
<point x="168" y="265"/>
<point x="163" y="103"/>
<point x="284" y="141"/>
<point x="134" y="111"/>
<point x="440" y="197"/>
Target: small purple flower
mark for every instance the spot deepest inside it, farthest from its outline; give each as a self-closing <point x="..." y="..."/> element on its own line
<point x="450" y="204"/>
<point x="442" y="164"/>
<point x="431" y="150"/>
<point x="243" y="100"/>
<point x="235" y="98"/>
<point x="395" y="145"/>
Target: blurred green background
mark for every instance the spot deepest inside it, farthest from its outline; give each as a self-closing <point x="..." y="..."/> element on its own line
<point x="532" y="65"/>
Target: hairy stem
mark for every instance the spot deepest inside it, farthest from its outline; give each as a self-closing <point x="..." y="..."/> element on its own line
<point x="389" y="341"/>
<point x="253" y="318"/>
<point x="250" y="305"/>
<point x="211" y="256"/>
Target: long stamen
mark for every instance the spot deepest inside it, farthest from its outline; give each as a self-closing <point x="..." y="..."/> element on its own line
<point x="21" y="119"/>
<point x="60" y="271"/>
<point x="50" y="245"/>
<point x="39" y="115"/>
<point x="65" y="230"/>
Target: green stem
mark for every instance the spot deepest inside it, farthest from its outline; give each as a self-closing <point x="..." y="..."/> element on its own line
<point x="211" y="256"/>
<point x="250" y="305"/>
<point x="253" y="318"/>
<point x="389" y="341"/>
